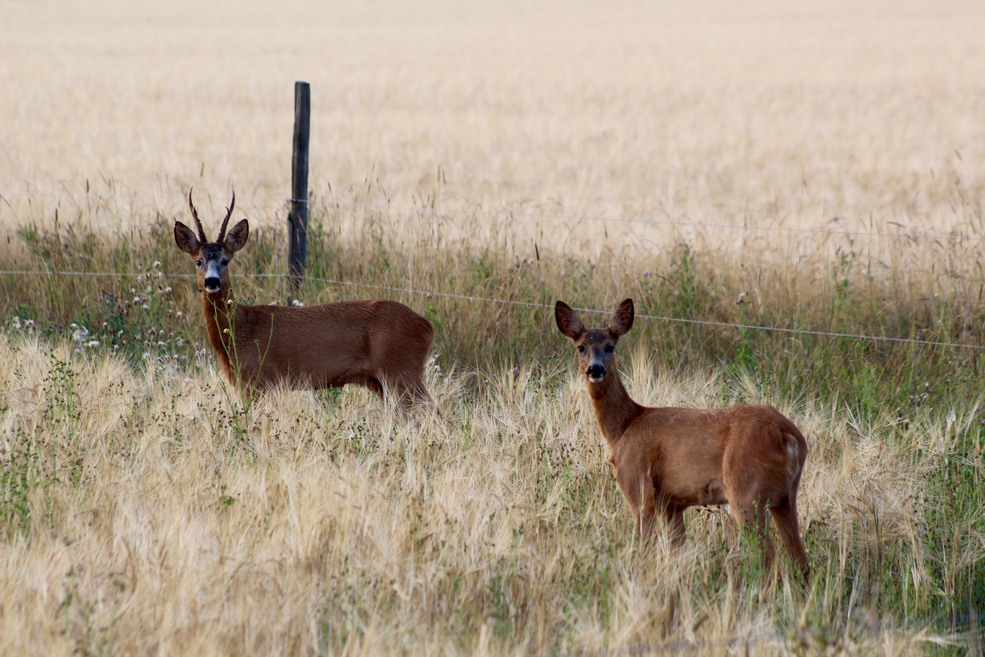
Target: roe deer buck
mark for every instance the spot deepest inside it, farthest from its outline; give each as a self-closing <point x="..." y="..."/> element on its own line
<point x="382" y="345"/>
<point x="667" y="459"/>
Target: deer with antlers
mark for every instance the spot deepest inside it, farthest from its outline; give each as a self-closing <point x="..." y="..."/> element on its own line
<point x="382" y="345"/>
<point x="667" y="459"/>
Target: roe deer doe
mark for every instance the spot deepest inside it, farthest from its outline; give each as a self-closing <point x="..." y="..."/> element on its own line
<point x="382" y="345"/>
<point x="667" y="459"/>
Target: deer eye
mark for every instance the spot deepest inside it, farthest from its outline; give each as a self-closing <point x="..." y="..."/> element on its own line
<point x="609" y="348"/>
<point x="198" y="263"/>
<point x="225" y="262"/>
<point x="581" y="349"/>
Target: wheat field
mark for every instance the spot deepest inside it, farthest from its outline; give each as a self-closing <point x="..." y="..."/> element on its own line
<point x="817" y="167"/>
<point x="841" y="115"/>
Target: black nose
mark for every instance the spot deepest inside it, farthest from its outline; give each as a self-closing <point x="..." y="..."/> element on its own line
<point x="212" y="283"/>
<point x="595" y="372"/>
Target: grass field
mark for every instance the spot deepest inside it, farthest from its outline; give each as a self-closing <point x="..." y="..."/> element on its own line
<point x="816" y="167"/>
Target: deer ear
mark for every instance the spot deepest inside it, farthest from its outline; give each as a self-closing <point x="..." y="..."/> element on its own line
<point x="622" y="318"/>
<point x="185" y="238"/>
<point x="567" y="321"/>
<point x="236" y="239"/>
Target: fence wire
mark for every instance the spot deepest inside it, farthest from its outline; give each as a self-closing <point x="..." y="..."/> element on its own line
<point x="525" y="304"/>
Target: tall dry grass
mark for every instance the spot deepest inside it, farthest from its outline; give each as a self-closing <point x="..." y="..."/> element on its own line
<point x="149" y="512"/>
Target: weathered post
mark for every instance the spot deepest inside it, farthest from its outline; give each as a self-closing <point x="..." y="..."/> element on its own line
<point x="298" y="217"/>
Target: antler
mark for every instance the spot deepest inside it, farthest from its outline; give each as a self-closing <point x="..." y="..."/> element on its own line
<point x="229" y="213"/>
<point x="201" y="232"/>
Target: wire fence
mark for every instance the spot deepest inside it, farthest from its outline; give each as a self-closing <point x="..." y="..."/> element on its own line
<point x="529" y="216"/>
<point x="526" y="304"/>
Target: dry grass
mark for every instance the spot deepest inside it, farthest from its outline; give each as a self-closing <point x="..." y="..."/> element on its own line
<point x="160" y="517"/>
<point x="471" y="150"/>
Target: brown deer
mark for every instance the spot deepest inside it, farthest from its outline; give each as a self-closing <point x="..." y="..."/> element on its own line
<point x="667" y="459"/>
<point x="382" y="345"/>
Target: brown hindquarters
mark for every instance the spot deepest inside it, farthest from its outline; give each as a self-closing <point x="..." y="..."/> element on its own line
<point x="400" y="355"/>
<point x="763" y="458"/>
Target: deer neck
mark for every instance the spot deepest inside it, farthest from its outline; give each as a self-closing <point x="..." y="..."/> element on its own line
<point x="220" y="323"/>
<point x="614" y="408"/>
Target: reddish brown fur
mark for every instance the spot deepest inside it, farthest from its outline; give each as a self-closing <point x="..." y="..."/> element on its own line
<point x="380" y="344"/>
<point x="667" y="459"/>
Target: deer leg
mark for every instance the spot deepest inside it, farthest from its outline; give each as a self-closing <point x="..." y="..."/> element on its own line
<point x="764" y="539"/>
<point x="420" y="390"/>
<point x="752" y="513"/>
<point x="405" y="397"/>
<point x="674" y="516"/>
<point x="785" y="517"/>
<point x="373" y="384"/>
<point x="642" y="500"/>
<point x="406" y="385"/>
<point x="645" y="515"/>
<point x="412" y="389"/>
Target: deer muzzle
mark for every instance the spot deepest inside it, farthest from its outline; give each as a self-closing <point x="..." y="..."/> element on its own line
<point x="212" y="282"/>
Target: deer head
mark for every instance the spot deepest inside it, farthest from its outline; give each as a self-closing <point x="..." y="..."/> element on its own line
<point x="596" y="347"/>
<point x="211" y="258"/>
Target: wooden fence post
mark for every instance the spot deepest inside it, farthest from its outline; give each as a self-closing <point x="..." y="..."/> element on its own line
<point x="298" y="217"/>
